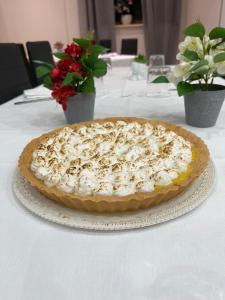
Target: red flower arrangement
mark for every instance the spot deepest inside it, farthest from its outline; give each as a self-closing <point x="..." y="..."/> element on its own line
<point x="75" y="71"/>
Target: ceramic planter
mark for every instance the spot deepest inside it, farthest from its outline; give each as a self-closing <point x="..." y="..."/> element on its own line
<point x="202" y="107"/>
<point x="126" y="19"/>
<point x="139" y="71"/>
<point x="80" y="108"/>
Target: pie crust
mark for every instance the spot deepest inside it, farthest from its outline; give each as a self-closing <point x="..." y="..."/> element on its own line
<point x="100" y="203"/>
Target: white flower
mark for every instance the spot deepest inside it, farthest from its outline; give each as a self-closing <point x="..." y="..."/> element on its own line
<point x="191" y="44"/>
<point x="180" y="72"/>
<point x="211" y="64"/>
<point x="172" y="78"/>
<point x="209" y="58"/>
<point x="206" y="41"/>
<point x="180" y="57"/>
<point x="182" y="69"/>
<point x="215" y="42"/>
<point x="220" y="68"/>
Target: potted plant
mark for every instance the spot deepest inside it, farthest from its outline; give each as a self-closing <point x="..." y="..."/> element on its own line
<point x="201" y="59"/>
<point x="123" y="8"/>
<point x="72" y="78"/>
<point x="139" y="67"/>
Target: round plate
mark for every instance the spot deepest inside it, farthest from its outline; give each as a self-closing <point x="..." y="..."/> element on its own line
<point x="176" y="207"/>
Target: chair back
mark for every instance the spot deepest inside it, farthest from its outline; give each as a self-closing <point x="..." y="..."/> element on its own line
<point x="42" y="51"/>
<point x="107" y="44"/>
<point x="129" y="46"/>
<point x="14" y="77"/>
<point x="27" y="64"/>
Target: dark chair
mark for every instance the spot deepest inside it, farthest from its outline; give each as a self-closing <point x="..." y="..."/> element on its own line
<point x="39" y="51"/>
<point x="107" y="44"/>
<point x="129" y="46"/>
<point x="14" y="78"/>
<point x="27" y="64"/>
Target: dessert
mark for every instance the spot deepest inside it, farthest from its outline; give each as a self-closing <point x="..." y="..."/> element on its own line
<point x="114" y="164"/>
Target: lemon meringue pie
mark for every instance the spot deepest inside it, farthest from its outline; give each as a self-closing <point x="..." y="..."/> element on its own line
<point x="114" y="164"/>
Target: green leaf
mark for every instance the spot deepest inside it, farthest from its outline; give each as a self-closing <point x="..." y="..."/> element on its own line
<point x="202" y="62"/>
<point x="141" y="59"/>
<point x="88" y="86"/>
<point x="90" y="61"/>
<point x="100" y="68"/>
<point x="43" y="64"/>
<point x="161" y="79"/>
<point x="217" y="33"/>
<point x="219" y="57"/>
<point x="196" y="30"/>
<point x="85" y="65"/>
<point x="70" y="78"/>
<point x="190" y="55"/>
<point x="184" y="88"/>
<point x="193" y="77"/>
<point x="47" y="82"/>
<point x="98" y="49"/>
<point x="202" y="70"/>
<point x="84" y="43"/>
<point x="42" y="71"/>
<point x="77" y="76"/>
<point x="60" y="55"/>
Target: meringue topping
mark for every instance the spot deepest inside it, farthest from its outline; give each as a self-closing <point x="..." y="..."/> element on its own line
<point x="111" y="158"/>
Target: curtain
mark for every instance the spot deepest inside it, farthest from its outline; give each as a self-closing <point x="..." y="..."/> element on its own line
<point x="101" y="20"/>
<point x="162" y="20"/>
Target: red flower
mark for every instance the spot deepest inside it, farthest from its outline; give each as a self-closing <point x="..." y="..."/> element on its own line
<point x="61" y="94"/>
<point x="55" y="73"/>
<point x="73" y="50"/>
<point x="76" y="67"/>
<point x="64" y="66"/>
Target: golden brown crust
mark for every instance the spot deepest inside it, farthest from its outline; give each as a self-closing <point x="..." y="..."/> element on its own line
<point x="135" y="201"/>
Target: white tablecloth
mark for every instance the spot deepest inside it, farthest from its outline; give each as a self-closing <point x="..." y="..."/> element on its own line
<point x="180" y="260"/>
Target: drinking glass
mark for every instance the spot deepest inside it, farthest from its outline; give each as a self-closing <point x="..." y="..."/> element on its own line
<point x="156" y="68"/>
<point x="157" y="60"/>
<point x="154" y="72"/>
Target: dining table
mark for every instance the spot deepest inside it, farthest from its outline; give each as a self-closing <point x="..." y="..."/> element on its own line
<point x="183" y="259"/>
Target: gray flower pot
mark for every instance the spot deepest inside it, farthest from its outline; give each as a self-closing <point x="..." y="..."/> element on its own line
<point x="80" y="108"/>
<point x="202" y="107"/>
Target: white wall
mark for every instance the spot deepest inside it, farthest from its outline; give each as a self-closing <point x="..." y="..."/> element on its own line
<point x="33" y="20"/>
<point x="53" y="20"/>
<point x="208" y="11"/>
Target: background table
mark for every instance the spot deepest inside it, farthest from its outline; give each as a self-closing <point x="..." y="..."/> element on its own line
<point x="180" y="260"/>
